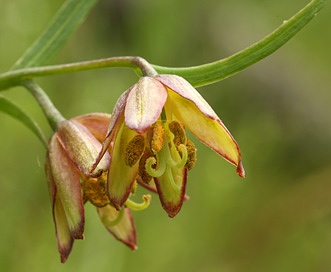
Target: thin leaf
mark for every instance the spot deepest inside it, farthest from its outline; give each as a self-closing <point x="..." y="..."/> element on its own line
<point x="219" y="70"/>
<point x="17" y="112"/>
<point x="66" y="21"/>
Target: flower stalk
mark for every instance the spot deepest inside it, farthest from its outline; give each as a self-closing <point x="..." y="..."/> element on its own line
<point x="51" y="112"/>
<point x="16" y="77"/>
<point x="200" y="75"/>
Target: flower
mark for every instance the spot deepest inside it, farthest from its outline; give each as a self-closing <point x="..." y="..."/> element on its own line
<point x="147" y="142"/>
<point x="71" y="151"/>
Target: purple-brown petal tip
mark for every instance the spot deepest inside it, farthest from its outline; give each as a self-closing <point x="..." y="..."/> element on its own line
<point x="171" y="199"/>
<point x="240" y="170"/>
<point x="65" y="251"/>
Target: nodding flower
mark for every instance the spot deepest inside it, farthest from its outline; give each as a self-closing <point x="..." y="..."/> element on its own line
<point x="147" y="140"/>
<point x="71" y="150"/>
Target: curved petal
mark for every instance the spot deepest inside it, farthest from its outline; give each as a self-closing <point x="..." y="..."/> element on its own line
<point x="121" y="176"/>
<point x="64" y="180"/>
<point x="114" y="124"/>
<point x="96" y="123"/>
<point x="185" y="89"/>
<point x="117" y="112"/>
<point x="124" y="230"/>
<point x="63" y="235"/>
<point x="209" y="130"/>
<point x="82" y="147"/>
<point x="172" y="195"/>
<point x="144" y="104"/>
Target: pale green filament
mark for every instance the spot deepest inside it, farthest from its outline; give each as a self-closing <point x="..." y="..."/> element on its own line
<point x="167" y="159"/>
<point x="155" y="172"/>
<point x="163" y="169"/>
<point x="139" y="206"/>
<point x="110" y="223"/>
<point x="170" y="177"/>
<point x="174" y="163"/>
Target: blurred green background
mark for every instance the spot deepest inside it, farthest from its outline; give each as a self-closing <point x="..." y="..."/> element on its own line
<point x="277" y="219"/>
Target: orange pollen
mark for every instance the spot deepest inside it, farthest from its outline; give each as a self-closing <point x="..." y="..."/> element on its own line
<point x="134" y="150"/>
<point x="95" y="190"/>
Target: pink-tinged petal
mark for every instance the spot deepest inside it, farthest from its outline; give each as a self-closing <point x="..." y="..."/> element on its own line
<point x="121" y="176"/>
<point x="82" y="147"/>
<point x="144" y="104"/>
<point x="62" y="231"/>
<point x="124" y="230"/>
<point x="66" y="179"/>
<point x="210" y="131"/>
<point x="116" y="119"/>
<point x="96" y="123"/>
<point x="63" y="235"/>
<point x="185" y="89"/>
<point x="171" y="193"/>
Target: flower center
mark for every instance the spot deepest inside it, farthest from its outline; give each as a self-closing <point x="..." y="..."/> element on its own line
<point x="168" y="149"/>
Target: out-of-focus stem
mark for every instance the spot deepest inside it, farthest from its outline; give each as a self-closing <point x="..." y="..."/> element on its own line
<point x="51" y="112"/>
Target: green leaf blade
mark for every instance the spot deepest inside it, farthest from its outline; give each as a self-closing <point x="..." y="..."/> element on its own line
<point x="66" y="21"/>
<point x="216" y="71"/>
<point x="18" y="113"/>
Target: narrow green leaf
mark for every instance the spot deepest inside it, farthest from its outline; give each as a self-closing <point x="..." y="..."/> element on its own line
<point x="17" y="112"/>
<point x="219" y="70"/>
<point x="66" y="21"/>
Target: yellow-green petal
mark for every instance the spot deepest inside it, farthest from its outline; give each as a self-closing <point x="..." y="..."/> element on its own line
<point x="124" y="230"/>
<point x="121" y="176"/>
<point x="171" y="189"/>
<point x="210" y="131"/>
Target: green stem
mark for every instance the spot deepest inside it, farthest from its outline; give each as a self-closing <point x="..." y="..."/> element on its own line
<point x="52" y="114"/>
<point x="14" y="78"/>
<point x="196" y="75"/>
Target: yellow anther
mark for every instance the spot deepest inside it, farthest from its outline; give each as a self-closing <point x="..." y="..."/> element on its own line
<point x="134" y="150"/>
<point x="157" y="138"/>
<point x="94" y="190"/>
<point x="134" y="188"/>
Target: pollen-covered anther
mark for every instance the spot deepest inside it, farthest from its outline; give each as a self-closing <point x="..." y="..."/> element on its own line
<point x="145" y="177"/>
<point x="191" y="155"/>
<point x="134" y="150"/>
<point x="179" y="133"/>
<point x="134" y="188"/>
<point x="157" y="139"/>
<point x="94" y="190"/>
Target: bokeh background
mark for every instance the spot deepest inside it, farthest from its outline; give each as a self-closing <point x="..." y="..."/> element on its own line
<point x="277" y="219"/>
